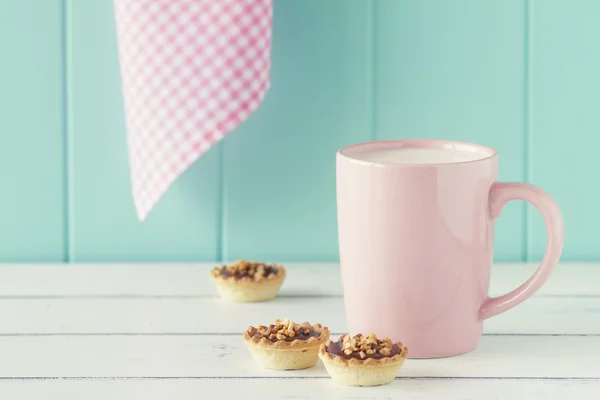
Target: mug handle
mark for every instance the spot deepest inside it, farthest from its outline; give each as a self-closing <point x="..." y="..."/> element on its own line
<point x="500" y="195"/>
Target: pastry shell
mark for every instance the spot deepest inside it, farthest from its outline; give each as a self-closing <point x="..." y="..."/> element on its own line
<point x="283" y="355"/>
<point x="248" y="290"/>
<point x="367" y="372"/>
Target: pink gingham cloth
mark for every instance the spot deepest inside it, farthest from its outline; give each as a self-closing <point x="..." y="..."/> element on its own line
<point x="192" y="71"/>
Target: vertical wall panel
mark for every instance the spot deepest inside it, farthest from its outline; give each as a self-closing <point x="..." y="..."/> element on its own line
<point x="565" y="120"/>
<point x="185" y="223"/>
<point x="441" y="69"/>
<point x="32" y="209"/>
<point x="279" y="167"/>
<point x="456" y="70"/>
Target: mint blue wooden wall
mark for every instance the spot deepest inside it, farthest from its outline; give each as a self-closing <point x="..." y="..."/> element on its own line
<point x="522" y="76"/>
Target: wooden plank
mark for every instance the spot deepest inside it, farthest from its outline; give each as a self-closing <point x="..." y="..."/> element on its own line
<point x="544" y="315"/>
<point x="303" y="280"/>
<point x="227" y="356"/>
<point x="191" y="389"/>
<point x="32" y="205"/>
<point x="185" y="224"/>
<point x="279" y="166"/>
<point x="455" y="70"/>
<point x="565" y="91"/>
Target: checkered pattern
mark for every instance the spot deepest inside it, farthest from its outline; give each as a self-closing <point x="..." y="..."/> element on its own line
<point x="192" y="70"/>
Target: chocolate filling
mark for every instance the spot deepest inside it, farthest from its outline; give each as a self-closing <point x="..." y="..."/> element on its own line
<point x="302" y="334"/>
<point x="239" y="274"/>
<point x="335" y="349"/>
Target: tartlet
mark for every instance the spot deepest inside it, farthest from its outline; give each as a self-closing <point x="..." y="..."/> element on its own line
<point x="286" y="345"/>
<point x="247" y="281"/>
<point x="363" y="360"/>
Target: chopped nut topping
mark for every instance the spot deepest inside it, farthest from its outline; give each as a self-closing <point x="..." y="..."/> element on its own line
<point x="384" y="351"/>
<point x="286" y="330"/>
<point x="363" y="347"/>
<point x="247" y="270"/>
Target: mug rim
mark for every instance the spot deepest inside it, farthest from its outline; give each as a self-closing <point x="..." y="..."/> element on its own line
<point x="487" y="152"/>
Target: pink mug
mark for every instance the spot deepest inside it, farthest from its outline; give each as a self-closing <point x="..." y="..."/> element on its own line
<point x="416" y="233"/>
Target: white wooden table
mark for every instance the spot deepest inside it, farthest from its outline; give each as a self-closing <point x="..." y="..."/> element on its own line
<point x="152" y="331"/>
